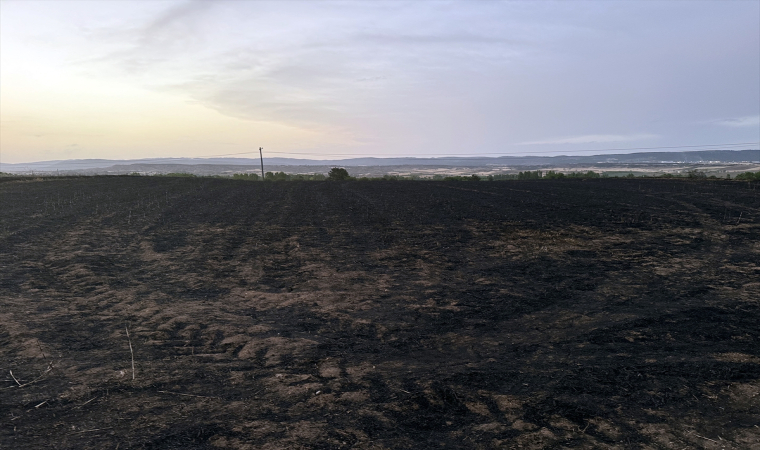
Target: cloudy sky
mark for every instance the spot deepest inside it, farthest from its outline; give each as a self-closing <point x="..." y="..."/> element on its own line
<point x="318" y="79"/>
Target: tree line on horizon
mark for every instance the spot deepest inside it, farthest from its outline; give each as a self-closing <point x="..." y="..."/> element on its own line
<point x="341" y="174"/>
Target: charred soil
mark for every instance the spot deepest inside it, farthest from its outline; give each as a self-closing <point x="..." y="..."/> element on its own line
<point x="606" y="313"/>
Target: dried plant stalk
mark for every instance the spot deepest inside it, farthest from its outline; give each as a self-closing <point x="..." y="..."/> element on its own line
<point x="131" y="351"/>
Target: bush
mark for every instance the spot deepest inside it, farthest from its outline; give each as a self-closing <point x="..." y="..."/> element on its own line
<point x="180" y="174"/>
<point x="308" y="177"/>
<point x="748" y="176"/>
<point x="528" y="175"/>
<point x="502" y="177"/>
<point x="462" y="178"/>
<point x="338" y="174"/>
<point x="246" y="176"/>
<point x="277" y="176"/>
<point x="696" y="174"/>
<point x="589" y="174"/>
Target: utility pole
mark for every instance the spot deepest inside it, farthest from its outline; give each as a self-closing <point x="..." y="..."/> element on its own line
<point x="261" y="155"/>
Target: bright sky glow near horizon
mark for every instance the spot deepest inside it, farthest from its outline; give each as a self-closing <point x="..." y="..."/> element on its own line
<point x="325" y="80"/>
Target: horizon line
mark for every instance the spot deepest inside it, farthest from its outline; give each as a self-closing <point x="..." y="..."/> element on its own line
<point x="487" y="155"/>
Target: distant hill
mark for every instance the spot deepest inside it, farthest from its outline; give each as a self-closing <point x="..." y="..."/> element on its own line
<point x="88" y="165"/>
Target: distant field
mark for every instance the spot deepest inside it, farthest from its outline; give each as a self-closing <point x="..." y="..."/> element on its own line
<point x="720" y="170"/>
<point x="607" y="313"/>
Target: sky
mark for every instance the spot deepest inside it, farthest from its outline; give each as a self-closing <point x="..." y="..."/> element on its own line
<point x="325" y="80"/>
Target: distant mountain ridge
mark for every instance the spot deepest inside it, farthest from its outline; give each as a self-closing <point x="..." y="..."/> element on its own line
<point x="707" y="156"/>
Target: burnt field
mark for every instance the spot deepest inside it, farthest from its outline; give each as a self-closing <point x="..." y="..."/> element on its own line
<point x="608" y="313"/>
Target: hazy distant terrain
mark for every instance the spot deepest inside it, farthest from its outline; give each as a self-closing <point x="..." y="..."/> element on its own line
<point x="717" y="161"/>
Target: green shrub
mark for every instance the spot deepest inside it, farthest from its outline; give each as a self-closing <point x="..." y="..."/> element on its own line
<point x="696" y="174"/>
<point x="461" y="178"/>
<point x="589" y="174"/>
<point x="308" y="177"/>
<point x="528" y="175"/>
<point x="748" y="176"/>
<point x="502" y="177"/>
<point x="246" y="176"/>
<point x="277" y="176"/>
<point x="338" y="174"/>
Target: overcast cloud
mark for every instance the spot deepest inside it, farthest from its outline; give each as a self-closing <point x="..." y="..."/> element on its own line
<point x="411" y="78"/>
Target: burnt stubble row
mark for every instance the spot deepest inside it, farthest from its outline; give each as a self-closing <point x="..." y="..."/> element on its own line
<point x="607" y="313"/>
